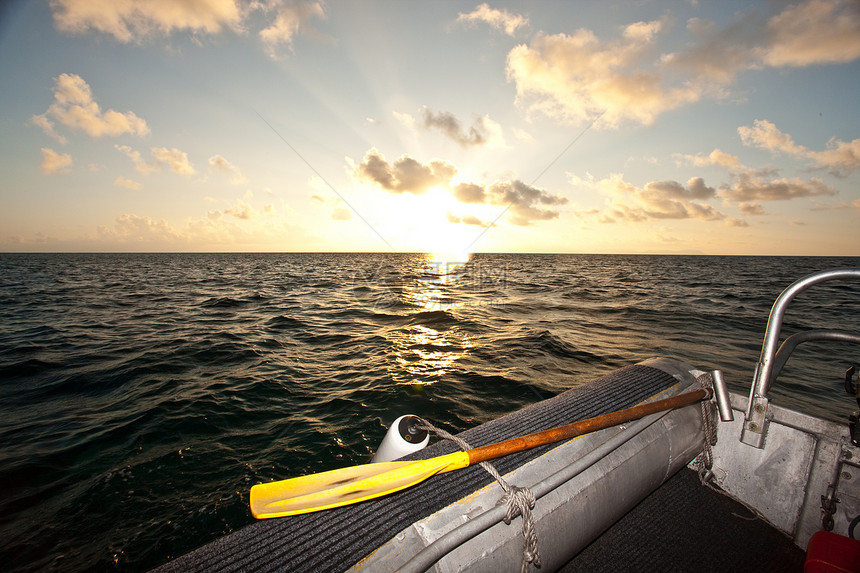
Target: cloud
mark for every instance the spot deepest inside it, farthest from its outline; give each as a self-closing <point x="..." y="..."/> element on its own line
<point x="466" y="220"/>
<point x="241" y="210"/>
<point x="765" y="135"/>
<point x="290" y="19"/>
<point x="222" y="165"/>
<point x="483" y="132"/>
<point x="404" y="118"/>
<point x="47" y="126"/>
<point x="405" y="175"/>
<point x="131" y="20"/>
<point x="716" y="157"/>
<point x="657" y="200"/>
<point x="140" y="165"/>
<point x="524" y="135"/>
<point x="53" y="162"/>
<point x="841" y="157"/>
<point x="498" y="19"/>
<point x="127" y="183"/>
<point x="808" y="33"/>
<point x="469" y="193"/>
<point x="748" y="188"/>
<point x="523" y="203"/>
<point x="576" y="77"/>
<point x="129" y="228"/>
<point x="813" y="32"/>
<point x="522" y="200"/>
<point x="75" y="108"/>
<point x="175" y="159"/>
<point x="695" y="189"/>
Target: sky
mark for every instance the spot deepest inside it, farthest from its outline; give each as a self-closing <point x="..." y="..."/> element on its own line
<point x="450" y="127"/>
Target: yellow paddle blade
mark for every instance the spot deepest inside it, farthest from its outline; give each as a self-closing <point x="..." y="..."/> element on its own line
<point x="344" y="486"/>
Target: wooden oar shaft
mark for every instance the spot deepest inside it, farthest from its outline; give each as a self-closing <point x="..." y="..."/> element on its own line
<point x="499" y="449"/>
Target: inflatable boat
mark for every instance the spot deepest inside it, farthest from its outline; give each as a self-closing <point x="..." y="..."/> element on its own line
<point x="729" y="483"/>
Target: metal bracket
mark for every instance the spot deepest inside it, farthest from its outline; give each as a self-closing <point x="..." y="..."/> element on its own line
<point x="755" y="425"/>
<point x="755" y="422"/>
<point x="721" y="395"/>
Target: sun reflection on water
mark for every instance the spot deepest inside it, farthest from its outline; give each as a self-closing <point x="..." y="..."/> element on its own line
<point x="425" y="355"/>
<point x="428" y="347"/>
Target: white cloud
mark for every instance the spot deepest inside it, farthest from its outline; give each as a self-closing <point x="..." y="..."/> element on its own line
<point x="127" y="183"/>
<point x="241" y="210"/>
<point x="290" y="19"/>
<point x="842" y="157"/>
<point x="75" y="108"/>
<point x="524" y="135"/>
<point x="765" y="135"/>
<point x="498" y="19"/>
<point x="53" y="162"/>
<point x="813" y="32"/>
<point x="132" y="20"/>
<point x="220" y="164"/>
<point x="140" y="164"/>
<point x="405" y="119"/>
<point x="47" y="126"/>
<point x="466" y="220"/>
<point x="576" y="77"/>
<point x="175" y="159"/>
<point x="716" y="157"/>
<point x="130" y="228"/>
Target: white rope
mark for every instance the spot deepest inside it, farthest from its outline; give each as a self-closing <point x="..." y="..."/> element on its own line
<point x="520" y="500"/>
<point x="705" y="460"/>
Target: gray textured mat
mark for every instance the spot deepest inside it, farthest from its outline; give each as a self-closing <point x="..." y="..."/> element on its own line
<point x="334" y="540"/>
<point x="684" y="526"/>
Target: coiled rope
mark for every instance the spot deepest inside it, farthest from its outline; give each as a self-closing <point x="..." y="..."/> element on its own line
<point x="519" y="500"/>
<point x="704" y="461"/>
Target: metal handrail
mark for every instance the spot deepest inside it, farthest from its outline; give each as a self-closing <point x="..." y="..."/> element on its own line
<point x="795" y="340"/>
<point x="766" y="371"/>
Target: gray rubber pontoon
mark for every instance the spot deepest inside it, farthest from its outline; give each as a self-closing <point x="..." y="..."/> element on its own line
<point x="450" y="521"/>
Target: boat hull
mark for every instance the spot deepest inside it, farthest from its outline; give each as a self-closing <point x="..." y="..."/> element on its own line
<point x="568" y="517"/>
<point x="360" y="536"/>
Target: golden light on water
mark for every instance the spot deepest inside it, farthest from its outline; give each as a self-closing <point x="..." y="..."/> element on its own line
<point x="427" y="350"/>
<point x="424" y="355"/>
<point x="451" y="258"/>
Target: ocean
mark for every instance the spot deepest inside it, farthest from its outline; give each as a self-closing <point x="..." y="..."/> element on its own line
<point x="141" y="395"/>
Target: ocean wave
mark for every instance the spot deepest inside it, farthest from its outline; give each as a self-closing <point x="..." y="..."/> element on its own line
<point x="435" y="319"/>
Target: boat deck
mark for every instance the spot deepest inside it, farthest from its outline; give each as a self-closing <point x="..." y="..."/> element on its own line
<point x="683" y="526"/>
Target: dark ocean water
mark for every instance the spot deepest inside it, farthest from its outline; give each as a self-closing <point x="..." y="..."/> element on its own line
<point x="142" y="395"/>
